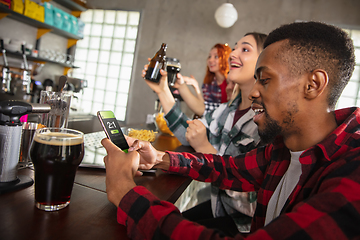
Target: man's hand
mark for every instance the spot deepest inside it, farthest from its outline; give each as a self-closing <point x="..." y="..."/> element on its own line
<point x="121" y="168"/>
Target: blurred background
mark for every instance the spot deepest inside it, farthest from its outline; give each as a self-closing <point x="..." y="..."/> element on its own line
<point x="117" y="42"/>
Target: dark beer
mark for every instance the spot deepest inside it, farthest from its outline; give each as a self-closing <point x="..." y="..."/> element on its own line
<point x="56" y="157"/>
<point x="173" y="67"/>
<point x="157" y="63"/>
<point x="172" y="71"/>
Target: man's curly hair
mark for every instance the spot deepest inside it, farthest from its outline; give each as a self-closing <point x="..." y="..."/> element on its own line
<point x="315" y="45"/>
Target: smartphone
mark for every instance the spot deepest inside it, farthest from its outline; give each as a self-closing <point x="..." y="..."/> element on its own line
<point x="112" y="129"/>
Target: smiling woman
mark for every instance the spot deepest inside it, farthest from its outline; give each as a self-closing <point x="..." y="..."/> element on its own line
<point x="214" y="85"/>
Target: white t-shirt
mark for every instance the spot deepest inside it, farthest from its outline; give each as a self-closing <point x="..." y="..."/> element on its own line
<point x="284" y="188"/>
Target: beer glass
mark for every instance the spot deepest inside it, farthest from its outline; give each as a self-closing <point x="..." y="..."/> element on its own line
<point x="173" y="67"/>
<point x="56" y="154"/>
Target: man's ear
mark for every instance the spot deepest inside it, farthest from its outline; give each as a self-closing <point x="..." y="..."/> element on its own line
<point x="316" y="84"/>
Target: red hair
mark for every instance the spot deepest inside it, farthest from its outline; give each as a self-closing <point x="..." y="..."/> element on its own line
<point x="223" y="54"/>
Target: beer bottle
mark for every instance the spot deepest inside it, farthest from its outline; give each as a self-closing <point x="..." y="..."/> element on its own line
<point x="157" y="63"/>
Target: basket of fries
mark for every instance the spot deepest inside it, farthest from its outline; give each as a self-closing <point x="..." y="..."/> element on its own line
<point x="142" y="134"/>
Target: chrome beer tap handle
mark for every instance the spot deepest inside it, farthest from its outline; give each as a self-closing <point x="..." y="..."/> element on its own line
<point x="6" y="74"/>
<point x="26" y="72"/>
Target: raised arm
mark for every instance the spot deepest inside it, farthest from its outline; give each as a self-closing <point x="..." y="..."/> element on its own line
<point x="194" y="102"/>
<point x="162" y="90"/>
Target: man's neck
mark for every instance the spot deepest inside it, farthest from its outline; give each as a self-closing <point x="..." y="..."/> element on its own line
<point x="311" y="132"/>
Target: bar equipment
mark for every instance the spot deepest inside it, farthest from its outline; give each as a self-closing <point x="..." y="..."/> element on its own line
<point x="26" y="73"/>
<point x="77" y="83"/>
<point x="6" y="74"/>
<point x="10" y="140"/>
<point x="28" y="130"/>
<point x="60" y="106"/>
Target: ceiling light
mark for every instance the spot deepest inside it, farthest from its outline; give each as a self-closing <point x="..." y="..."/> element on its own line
<point x="226" y="15"/>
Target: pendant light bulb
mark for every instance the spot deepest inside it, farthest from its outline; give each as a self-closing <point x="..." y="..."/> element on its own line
<point x="226" y="15"/>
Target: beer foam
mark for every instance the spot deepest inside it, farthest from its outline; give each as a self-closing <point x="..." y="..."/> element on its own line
<point x="58" y="138"/>
<point x="173" y="65"/>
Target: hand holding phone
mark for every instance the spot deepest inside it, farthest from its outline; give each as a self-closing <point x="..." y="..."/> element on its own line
<point x="112" y="129"/>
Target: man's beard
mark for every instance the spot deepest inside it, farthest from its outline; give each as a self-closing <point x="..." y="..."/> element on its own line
<point x="271" y="130"/>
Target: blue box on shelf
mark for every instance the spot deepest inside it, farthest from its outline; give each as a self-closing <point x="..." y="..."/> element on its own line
<point x="66" y="26"/>
<point x="49" y="13"/>
<point x="74" y="24"/>
<point x="58" y="17"/>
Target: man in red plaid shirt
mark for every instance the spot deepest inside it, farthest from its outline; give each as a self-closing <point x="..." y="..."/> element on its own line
<point x="307" y="177"/>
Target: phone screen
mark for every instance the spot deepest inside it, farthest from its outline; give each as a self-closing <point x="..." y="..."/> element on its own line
<point x="112" y="129"/>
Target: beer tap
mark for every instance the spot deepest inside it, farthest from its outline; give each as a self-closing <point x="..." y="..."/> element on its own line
<point x="10" y="139"/>
<point x="26" y="73"/>
<point x="6" y="74"/>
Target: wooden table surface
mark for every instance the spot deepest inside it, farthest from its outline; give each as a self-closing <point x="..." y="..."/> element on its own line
<point x="89" y="215"/>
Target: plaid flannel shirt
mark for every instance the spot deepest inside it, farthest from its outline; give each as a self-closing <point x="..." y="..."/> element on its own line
<point x="225" y="138"/>
<point x="210" y="106"/>
<point x="212" y="96"/>
<point x="325" y="203"/>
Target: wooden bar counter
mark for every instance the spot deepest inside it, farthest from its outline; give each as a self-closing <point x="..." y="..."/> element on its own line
<point x="89" y="215"/>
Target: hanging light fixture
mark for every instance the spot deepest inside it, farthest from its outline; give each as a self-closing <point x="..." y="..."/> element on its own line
<point x="226" y="15"/>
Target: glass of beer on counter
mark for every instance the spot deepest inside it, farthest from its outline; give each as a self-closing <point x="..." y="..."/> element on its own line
<point x="173" y="67"/>
<point x="56" y="154"/>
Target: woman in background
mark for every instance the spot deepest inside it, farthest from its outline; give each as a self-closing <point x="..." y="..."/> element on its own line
<point x="214" y="85"/>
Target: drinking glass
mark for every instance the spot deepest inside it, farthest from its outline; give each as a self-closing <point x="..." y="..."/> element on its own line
<point x="56" y="154"/>
<point x="173" y="67"/>
<point x="60" y="106"/>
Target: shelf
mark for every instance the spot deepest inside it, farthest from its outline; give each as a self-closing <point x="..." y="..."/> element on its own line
<point x="37" y="59"/>
<point x="71" y="5"/>
<point x="40" y="25"/>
